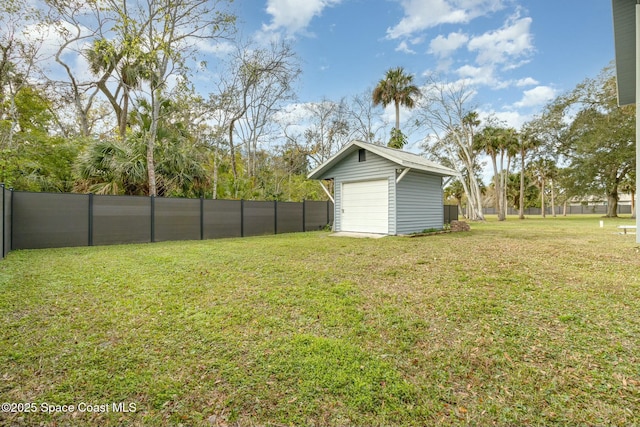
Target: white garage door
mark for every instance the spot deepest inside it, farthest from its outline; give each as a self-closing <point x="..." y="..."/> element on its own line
<point x="365" y="207"/>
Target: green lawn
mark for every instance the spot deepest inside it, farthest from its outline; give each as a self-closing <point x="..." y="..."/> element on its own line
<point x="516" y="323"/>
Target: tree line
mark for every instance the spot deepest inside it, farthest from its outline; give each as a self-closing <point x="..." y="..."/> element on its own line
<point x="101" y="97"/>
<point x="580" y="147"/>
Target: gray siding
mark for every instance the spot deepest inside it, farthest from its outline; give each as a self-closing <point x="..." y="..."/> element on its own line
<point x="351" y="170"/>
<point x="419" y="203"/>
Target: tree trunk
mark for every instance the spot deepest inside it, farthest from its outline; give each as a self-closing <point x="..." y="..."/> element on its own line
<point x="397" y="115"/>
<point x="542" y="188"/>
<point x="214" y="196"/>
<point x="151" y="168"/>
<point x="497" y="187"/>
<point x="505" y="185"/>
<point x="633" y="204"/>
<point x="151" y="141"/>
<point x="612" y="203"/>
<point x="123" y="113"/>
<point x="476" y="213"/>
<point x="521" y="213"/>
<point x="553" y="199"/>
<point x="232" y="153"/>
<point x="474" y="195"/>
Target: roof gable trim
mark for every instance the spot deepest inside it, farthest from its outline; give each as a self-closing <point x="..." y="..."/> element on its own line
<point x="390" y="154"/>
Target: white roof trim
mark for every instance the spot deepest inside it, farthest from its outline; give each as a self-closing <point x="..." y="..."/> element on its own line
<point x="399" y="157"/>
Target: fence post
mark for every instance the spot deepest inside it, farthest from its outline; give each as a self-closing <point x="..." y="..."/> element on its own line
<point x="275" y="217"/>
<point x="201" y="217"/>
<point x="12" y="218"/>
<point x="241" y="217"/>
<point x="90" y="219"/>
<point x="4" y="231"/>
<point x="328" y="215"/>
<point x="304" y="215"/>
<point x="153" y="218"/>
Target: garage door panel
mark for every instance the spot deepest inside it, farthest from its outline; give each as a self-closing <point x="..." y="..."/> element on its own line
<point x="365" y="206"/>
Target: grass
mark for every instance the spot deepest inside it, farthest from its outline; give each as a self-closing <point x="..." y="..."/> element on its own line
<point x="516" y="323"/>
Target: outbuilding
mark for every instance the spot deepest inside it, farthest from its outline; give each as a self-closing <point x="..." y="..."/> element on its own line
<point x="383" y="190"/>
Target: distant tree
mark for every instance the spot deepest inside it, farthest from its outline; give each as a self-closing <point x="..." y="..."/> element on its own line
<point x="259" y="79"/>
<point x="397" y="87"/>
<point x="497" y="141"/>
<point x="527" y="142"/>
<point x="112" y="167"/>
<point x="455" y="191"/>
<point x="319" y="129"/>
<point x="119" y="166"/>
<point x="543" y="170"/>
<point x="398" y="139"/>
<point x="125" y="60"/>
<point x="169" y="31"/>
<point x="367" y="125"/>
<point x="600" y="141"/>
<point x="628" y="185"/>
<point x="444" y="114"/>
<point x="33" y="159"/>
<point x="18" y="64"/>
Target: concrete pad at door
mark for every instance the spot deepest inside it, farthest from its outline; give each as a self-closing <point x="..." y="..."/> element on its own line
<point x="357" y="235"/>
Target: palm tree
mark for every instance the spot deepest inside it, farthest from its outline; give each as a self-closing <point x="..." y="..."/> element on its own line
<point x="489" y="142"/>
<point x="544" y="170"/>
<point x="527" y="141"/>
<point x="130" y="67"/>
<point x="396" y="87"/>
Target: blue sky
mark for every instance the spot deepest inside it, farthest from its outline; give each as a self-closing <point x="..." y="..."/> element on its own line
<point x="518" y="55"/>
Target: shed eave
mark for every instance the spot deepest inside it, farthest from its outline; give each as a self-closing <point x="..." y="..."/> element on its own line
<point x="432" y="170"/>
<point x="624" y="30"/>
<point x="320" y="171"/>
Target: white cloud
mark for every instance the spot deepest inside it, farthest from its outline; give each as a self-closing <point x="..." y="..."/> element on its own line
<point x="514" y="40"/>
<point x="444" y="46"/>
<point x="527" y="81"/>
<point x="295" y="15"/>
<point x="483" y="75"/>
<point x="539" y="95"/>
<point x="219" y="49"/>
<point x="420" y="15"/>
<point x="512" y="119"/>
<point x="404" y="47"/>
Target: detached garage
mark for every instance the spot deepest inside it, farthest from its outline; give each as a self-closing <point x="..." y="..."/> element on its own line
<point x="383" y="190"/>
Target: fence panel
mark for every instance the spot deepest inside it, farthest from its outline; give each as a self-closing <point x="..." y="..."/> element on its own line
<point x="624" y="209"/>
<point x="121" y="219"/>
<point x="289" y="217"/>
<point x="450" y="213"/>
<point x="45" y="220"/>
<point x="48" y="220"/>
<point x="259" y="218"/>
<point x="600" y="210"/>
<point x="6" y="222"/>
<point x="176" y="219"/>
<point x="316" y="215"/>
<point x="222" y="218"/>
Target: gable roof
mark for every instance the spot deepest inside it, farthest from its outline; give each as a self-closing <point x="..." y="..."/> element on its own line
<point x="399" y="157"/>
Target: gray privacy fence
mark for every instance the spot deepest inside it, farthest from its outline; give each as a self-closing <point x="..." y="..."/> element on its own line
<point x="559" y="210"/>
<point x="6" y="221"/>
<point x="48" y="220"/>
<point x="450" y="213"/>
